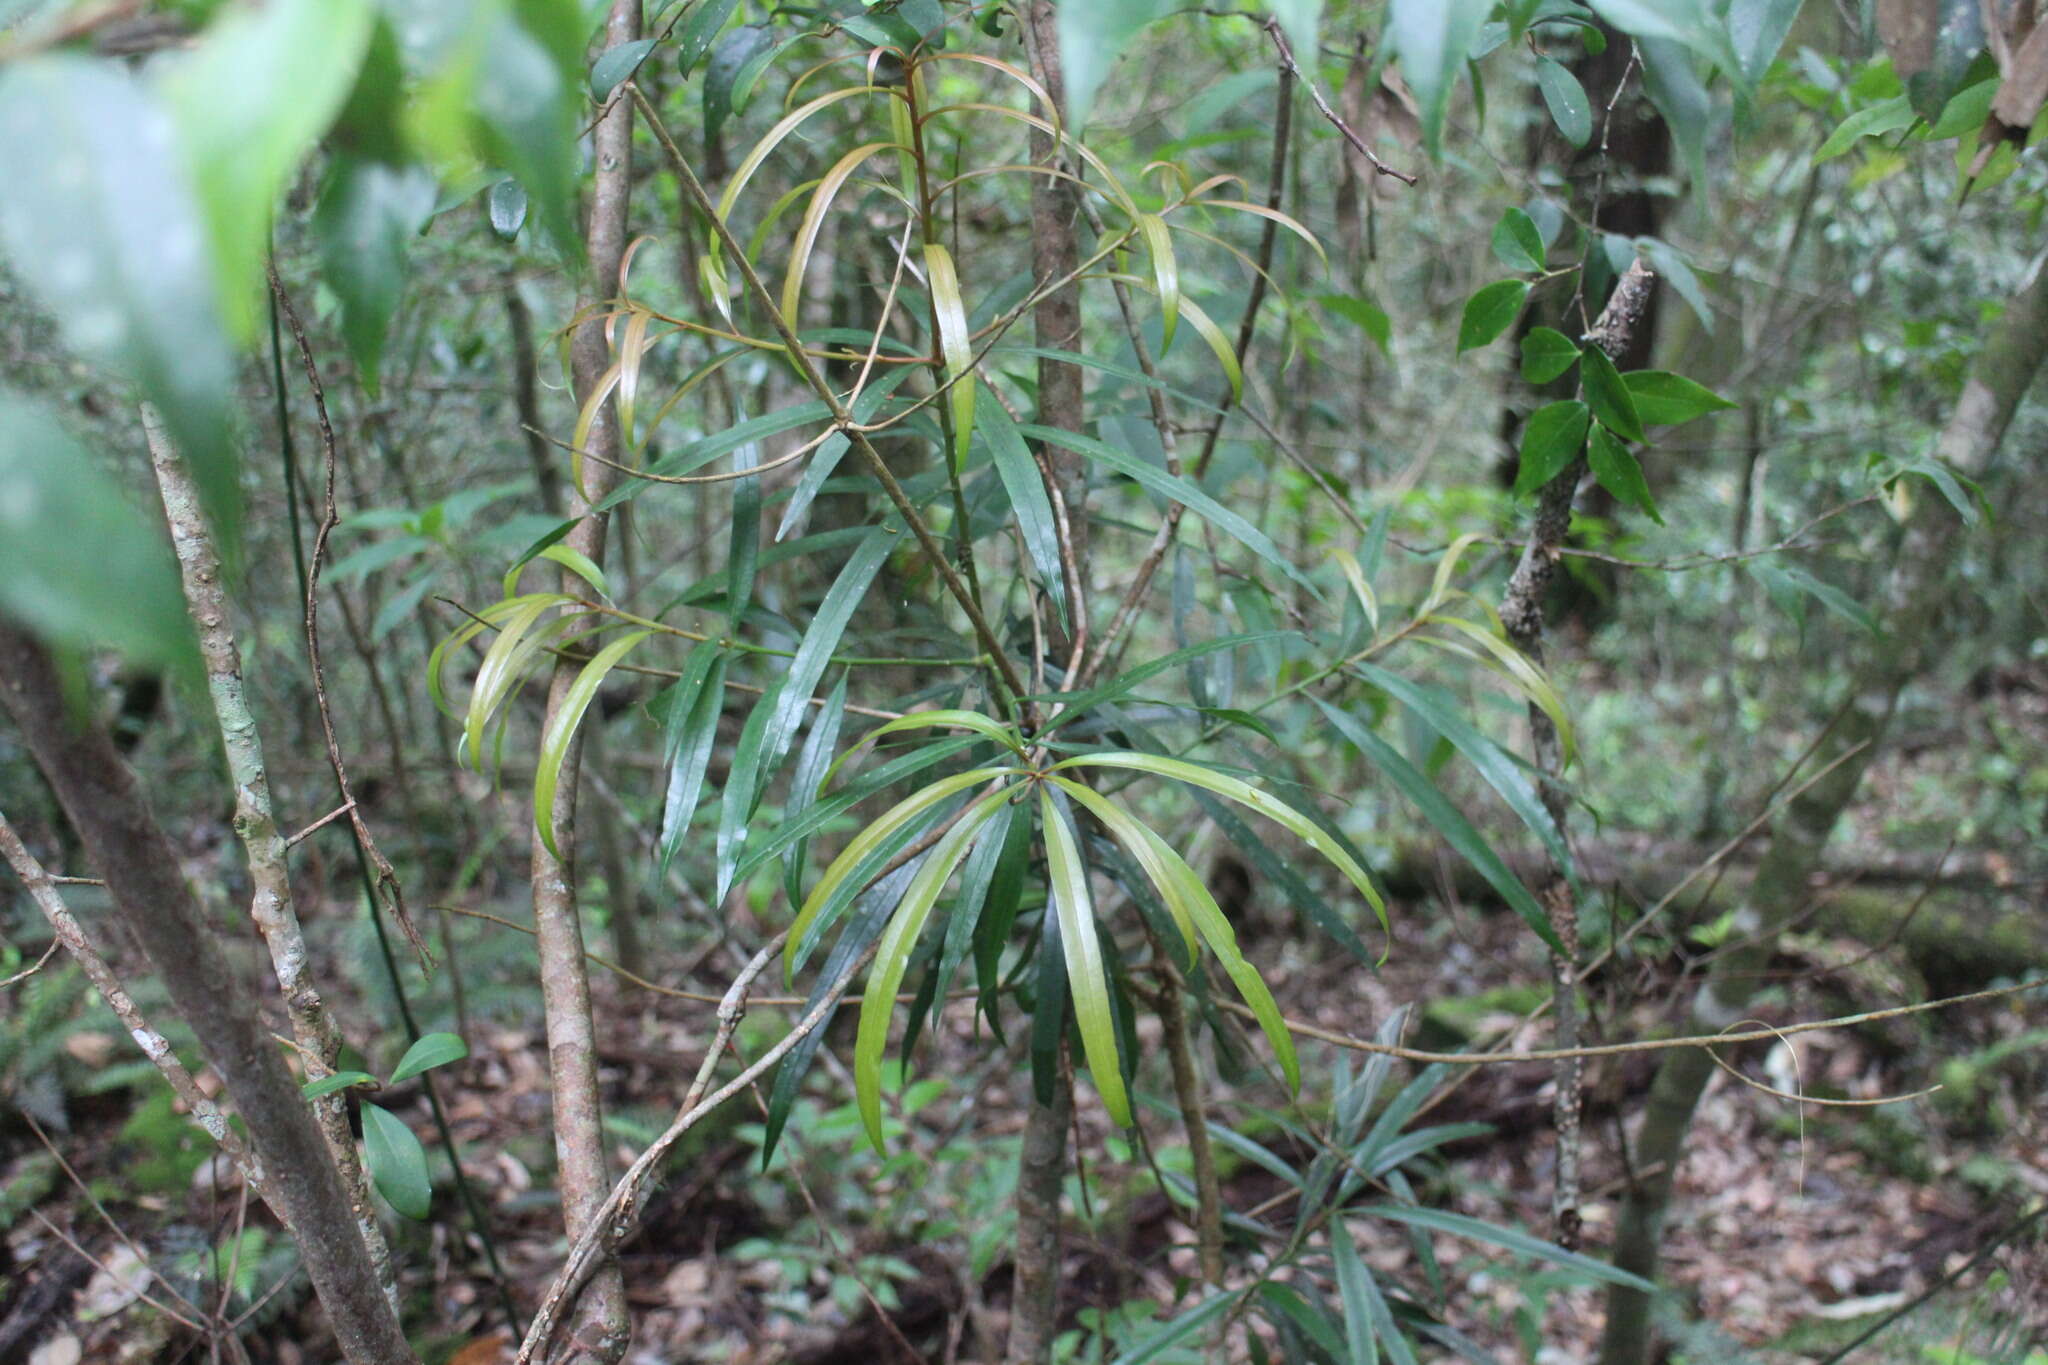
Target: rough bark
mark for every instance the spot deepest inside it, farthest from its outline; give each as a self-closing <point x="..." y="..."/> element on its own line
<point x="603" y="1326"/>
<point x="1918" y="592"/>
<point x="104" y="804"/>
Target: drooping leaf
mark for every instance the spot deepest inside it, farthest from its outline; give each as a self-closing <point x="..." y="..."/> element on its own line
<point x="79" y="564"/>
<point x="1789" y="585"/>
<point x="1491" y="310"/>
<point x="821" y="638"/>
<point x="1025" y="487"/>
<point x="692" y="706"/>
<point x="1619" y="472"/>
<point x="1087" y="981"/>
<point x="1609" y="398"/>
<point x="705" y="21"/>
<point x="1551" y="439"/>
<point x="1432" y="40"/>
<point x="1169" y="1334"/>
<point x="1508" y="1239"/>
<point x="368" y="214"/>
<point x="561" y="732"/>
<point x="950" y="310"/>
<point x="397" y="1163"/>
<point x="1456" y="830"/>
<point x="1165" y="274"/>
<point x="1665" y="399"/>
<point x="429" y="1051"/>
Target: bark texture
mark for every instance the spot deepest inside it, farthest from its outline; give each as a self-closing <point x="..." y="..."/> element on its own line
<point x="101" y="799"/>
<point x="1915" y="601"/>
<point x="603" y="1326"/>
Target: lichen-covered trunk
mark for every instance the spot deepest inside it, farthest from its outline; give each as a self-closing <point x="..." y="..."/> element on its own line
<point x="2012" y="356"/>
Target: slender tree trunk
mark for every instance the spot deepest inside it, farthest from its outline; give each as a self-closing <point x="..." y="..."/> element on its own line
<point x="101" y="798"/>
<point x="1916" y="599"/>
<point x="603" y="1326"/>
<point x="1055" y="252"/>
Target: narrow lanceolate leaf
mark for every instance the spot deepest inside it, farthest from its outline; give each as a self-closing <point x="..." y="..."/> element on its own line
<point x="743" y="547"/>
<point x="1488" y="758"/>
<point x="815" y="213"/>
<point x="1503" y="658"/>
<point x="505" y="663"/>
<point x="1191" y="904"/>
<point x="892" y="956"/>
<point x="432" y="1050"/>
<point x="1087" y="981"/>
<point x="555" y="742"/>
<point x="1456" y="830"/>
<point x="1220" y="345"/>
<point x="1508" y="1239"/>
<point x="814" y="653"/>
<point x="1002" y="734"/>
<point x="1025" y="485"/>
<point x="694" y="702"/>
<point x="1361" y="1342"/>
<point x="950" y="311"/>
<point x="1180" y="490"/>
<point x="1165" y="274"/>
<point x="1245" y="794"/>
<point x="1354" y="574"/>
<point x="865" y="842"/>
<point x="397" y="1162"/>
<point x="494" y="614"/>
<point x="743" y="782"/>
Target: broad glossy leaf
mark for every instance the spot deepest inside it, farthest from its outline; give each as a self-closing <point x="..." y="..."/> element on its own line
<point x="1491" y="310"/>
<point x="1566" y="100"/>
<point x="1672" y="80"/>
<point x="1618" y="471"/>
<point x="1609" y="398"/>
<point x="397" y="1163"/>
<point x="1432" y="39"/>
<point x="1551" y="439"/>
<point x="1516" y="242"/>
<point x="1546" y="354"/>
<point x="1456" y="830"/>
<point x="368" y="214"/>
<point x="104" y="232"/>
<point x="723" y="77"/>
<point x="892" y="956"/>
<point x="249" y="101"/>
<point x="79" y="564"/>
<point x="1666" y="399"/>
<point x="1696" y="24"/>
<point x="556" y="739"/>
<point x="616" y="63"/>
<point x="429" y="1051"/>
<point x="705" y="21"/>
<point x="1757" y="29"/>
<point x="1087" y="980"/>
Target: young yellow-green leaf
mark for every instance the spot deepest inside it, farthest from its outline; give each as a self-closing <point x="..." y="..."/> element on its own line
<point x="1362" y="590"/>
<point x="1516" y="242"/>
<point x="1364" y="313"/>
<point x="1510" y="662"/>
<point x="1067" y="884"/>
<point x="1546" y="354"/>
<point x="1226" y="354"/>
<point x="1618" y="472"/>
<point x="1165" y="274"/>
<point x="340" y="1080"/>
<point x="1491" y="310"/>
<point x="1551" y="439"/>
<point x="432" y="1050"/>
<point x="1608" y="396"/>
<point x="437" y="660"/>
<point x="503" y="666"/>
<point x="1194" y="910"/>
<point x="950" y="309"/>
<point x="892" y="956"/>
<point x="554" y="743"/>
<point x="397" y="1162"/>
<point x="574" y="560"/>
<point x="1245" y="794"/>
<point x="1005" y="735"/>
<point x="1664" y="399"/>
<point x="814" y="219"/>
<point x="1886" y="116"/>
<point x="864" y="843"/>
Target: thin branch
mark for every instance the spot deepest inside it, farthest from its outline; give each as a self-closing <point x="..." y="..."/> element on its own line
<point x="1357" y="143"/>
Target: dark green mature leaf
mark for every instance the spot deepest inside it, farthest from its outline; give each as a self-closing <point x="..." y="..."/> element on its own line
<point x="1179" y="490"/>
<point x="1673" y="83"/>
<point x="723" y="90"/>
<point x="1028" y="500"/>
<point x="1546" y="354"/>
<point x="1551" y="439"/>
<point x="397" y="1162"/>
<point x="106" y="235"/>
<point x="704" y="23"/>
<point x="507" y="203"/>
<point x="1456" y="830"/>
<point x="367" y="216"/>
<point x="814" y="653"/>
<point x="1157" y="1342"/>
<point x="1354" y="1287"/>
<point x="1789" y="586"/>
<point x="1566" y="100"/>
<point x="743" y="782"/>
<point x="1492" y="762"/>
<point x="1516" y="242"/>
<point x="428" y="1051"/>
<point x="1959" y="38"/>
<point x="1368" y="316"/>
<point x="1618" y="471"/>
<point x="1491" y="310"/>
<point x="690" y="709"/>
<point x="616" y="63"/>
<point x="1612" y="403"/>
<point x="1432" y="40"/>
<point x="340" y="1080"/>
<point x="1508" y="1239"/>
<point x="249" y="102"/>
<point x="79" y="565"/>
<point x="527" y="107"/>
<point x="1665" y="399"/>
